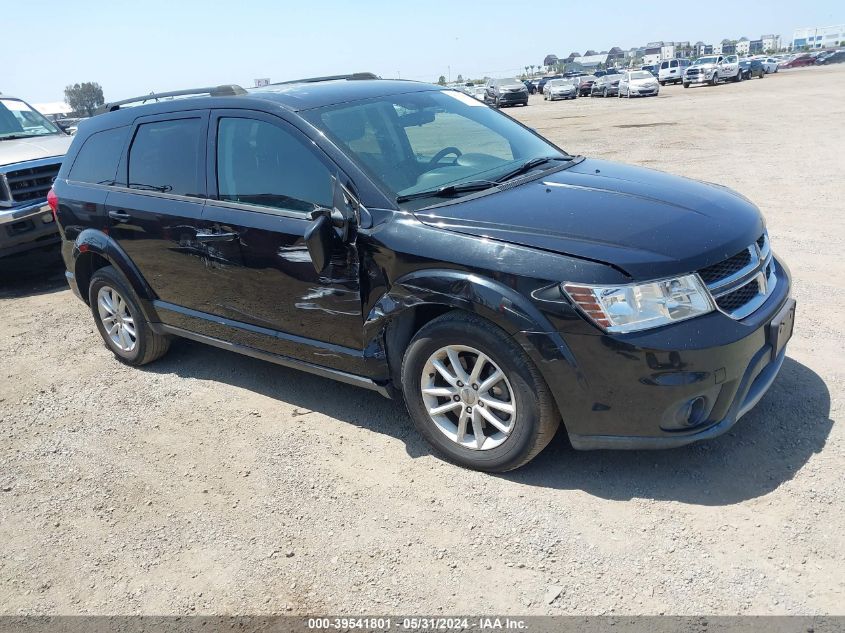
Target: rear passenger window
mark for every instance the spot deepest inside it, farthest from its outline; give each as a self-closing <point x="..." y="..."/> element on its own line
<point x="97" y="161"/>
<point x="165" y="157"/>
<point x="260" y="163"/>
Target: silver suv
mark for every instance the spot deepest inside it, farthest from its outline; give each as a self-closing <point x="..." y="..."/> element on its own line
<point x="31" y="152"/>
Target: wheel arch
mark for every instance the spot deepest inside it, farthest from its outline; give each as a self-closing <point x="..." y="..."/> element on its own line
<point x="93" y="250"/>
<point x="419" y="297"/>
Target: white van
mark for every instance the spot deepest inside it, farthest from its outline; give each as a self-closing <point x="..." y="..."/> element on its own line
<point x="671" y="70"/>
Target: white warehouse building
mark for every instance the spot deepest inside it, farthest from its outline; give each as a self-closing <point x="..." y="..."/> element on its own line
<point x="819" y="36"/>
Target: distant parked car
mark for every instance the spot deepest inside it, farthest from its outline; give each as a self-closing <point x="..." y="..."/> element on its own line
<point x="607" y="86"/>
<point x="585" y="84"/>
<point x="506" y="92"/>
<point x="560" y="89"/>
<point x="799" y="61"/>
<point x="770" y="64"/>
<point x="652" y="68"/>
<point x="530" y="86"/>
<point x="836" y="58"/>
<point x="542" y="83"/>
<point x="672" y="70"/>
<point x="478" y="92"/>
<point x="751" y="68"/>
<point x="637" y="83"/>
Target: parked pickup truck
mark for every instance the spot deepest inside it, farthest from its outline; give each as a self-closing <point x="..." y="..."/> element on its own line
<point x="712" y="69"/>
<point x="31" y="152"/>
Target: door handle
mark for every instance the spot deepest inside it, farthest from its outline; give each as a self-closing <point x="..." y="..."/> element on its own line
<point x="203" y="236"/>
<point x="120" y="216"/>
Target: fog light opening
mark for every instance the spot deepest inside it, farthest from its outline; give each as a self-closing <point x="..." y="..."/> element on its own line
<point x="696" y="411"/>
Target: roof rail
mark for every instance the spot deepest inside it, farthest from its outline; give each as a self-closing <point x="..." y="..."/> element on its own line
<point x="226" y="90"/>
<point x="311" y="80"/>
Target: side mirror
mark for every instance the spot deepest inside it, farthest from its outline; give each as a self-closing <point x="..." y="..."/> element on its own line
<point x="319" y="238"/>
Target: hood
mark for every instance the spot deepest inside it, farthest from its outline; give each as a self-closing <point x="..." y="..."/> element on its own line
<point x="515" y="86"/>
<point x="23" y="149"/>
<point x="647" y="223"/>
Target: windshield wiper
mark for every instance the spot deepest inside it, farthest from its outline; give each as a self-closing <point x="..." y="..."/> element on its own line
<point x="12" y="137"/>
<point x="472" y="185"/>
<point x="529" y="165"/>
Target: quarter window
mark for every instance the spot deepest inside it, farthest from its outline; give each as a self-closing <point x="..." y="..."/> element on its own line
<point x="166" y="157"/>
<point x="260" y="163"/>
<point x="97" y="160"/>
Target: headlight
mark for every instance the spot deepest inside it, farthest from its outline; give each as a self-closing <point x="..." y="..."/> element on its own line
<point x="633" y="307"/>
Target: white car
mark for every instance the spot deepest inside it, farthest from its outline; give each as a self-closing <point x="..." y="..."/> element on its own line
<point x="560" y="89"/>
<point x="770" y="64"/>
<point x="638" y="83"/>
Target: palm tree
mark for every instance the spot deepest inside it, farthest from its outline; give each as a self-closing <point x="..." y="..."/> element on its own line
<point x="526" y="70"/>
<point x="532" y="69"/>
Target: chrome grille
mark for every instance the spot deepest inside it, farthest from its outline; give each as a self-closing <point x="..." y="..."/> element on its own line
<point x="738" y="298"/>
<point x="726" y="268"/>
<point x="30" y="183"/>
<point x="742" y="283"/>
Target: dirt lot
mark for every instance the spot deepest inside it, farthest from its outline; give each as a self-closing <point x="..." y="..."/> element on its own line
<point x="214" y="483"/>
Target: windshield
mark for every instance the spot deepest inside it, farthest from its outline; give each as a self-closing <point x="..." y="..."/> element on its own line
<point x="560" y="82"/>
<point x="641" y="74"/>
<point x="420" y="141"/>
<point x="510" y="81"/>
<point x="704" y="60"/>
<point x="18" y="120"/>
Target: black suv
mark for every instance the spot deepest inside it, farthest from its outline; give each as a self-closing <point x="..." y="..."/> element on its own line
<point x="411" y="240"/>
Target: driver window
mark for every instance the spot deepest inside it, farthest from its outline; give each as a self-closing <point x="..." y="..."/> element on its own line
<point x="451" y="129"/>
<point x="260" y="163"/>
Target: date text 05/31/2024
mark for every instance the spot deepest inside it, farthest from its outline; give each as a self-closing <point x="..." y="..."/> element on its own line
<point x="416" y="624"/>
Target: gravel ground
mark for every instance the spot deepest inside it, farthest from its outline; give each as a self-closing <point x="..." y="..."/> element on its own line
<point x="214" y="483"/>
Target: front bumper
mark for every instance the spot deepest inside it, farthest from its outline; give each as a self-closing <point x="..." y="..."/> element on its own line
<point x="643" y="92"/>
<point x="635" y="391"/>
<point x="699" y="78"/>
<point x="26" y="228"/>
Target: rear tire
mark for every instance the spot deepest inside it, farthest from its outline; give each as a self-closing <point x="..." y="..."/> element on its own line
<point x="525" y="416"/>
<point x="120" y="320"/>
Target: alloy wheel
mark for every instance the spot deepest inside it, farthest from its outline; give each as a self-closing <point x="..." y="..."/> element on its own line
<point x="468" y="397"/>
<point x="116" y="318"/>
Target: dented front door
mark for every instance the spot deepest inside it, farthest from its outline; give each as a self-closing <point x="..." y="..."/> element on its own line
<point x="268" y="178"/>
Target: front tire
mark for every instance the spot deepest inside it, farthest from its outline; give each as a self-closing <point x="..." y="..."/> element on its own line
<point x="475" y="396"/>
<point x="120" y="320"/>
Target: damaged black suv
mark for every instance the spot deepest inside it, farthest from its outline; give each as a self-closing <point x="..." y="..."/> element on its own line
<point x="409" y="239"/>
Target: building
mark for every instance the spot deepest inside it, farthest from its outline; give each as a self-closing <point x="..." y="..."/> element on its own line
<point x="818" y="37"/>
<point x="588" y="62"/>
<point x="54" y="109"/>
<point x="755" y="47"/>
<point x="771" y="42"/>
<point x="743" y="45"/>
<point x="700" y="48"/>
<point x="683" y="50"/>
<point x="615" y="56"/>
<point x="656" y="52"/>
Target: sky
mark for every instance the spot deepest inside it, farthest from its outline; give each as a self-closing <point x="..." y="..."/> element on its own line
<point x="132" y="48"/>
